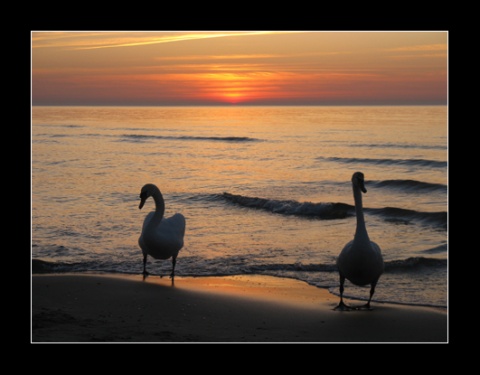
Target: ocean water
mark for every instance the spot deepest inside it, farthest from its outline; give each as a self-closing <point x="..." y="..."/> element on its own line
<point x="265" y="190"/>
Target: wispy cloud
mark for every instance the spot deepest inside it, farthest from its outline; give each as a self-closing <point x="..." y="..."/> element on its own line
<point x="98" y="40"/>
<point x="420" y="48"/>
<point x="217" y="57"/>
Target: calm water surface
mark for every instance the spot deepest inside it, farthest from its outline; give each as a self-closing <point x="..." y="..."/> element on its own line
<point x="256" y="185"/>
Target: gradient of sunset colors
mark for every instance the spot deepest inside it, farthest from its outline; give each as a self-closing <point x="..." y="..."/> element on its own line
<point x="254" y="68"/>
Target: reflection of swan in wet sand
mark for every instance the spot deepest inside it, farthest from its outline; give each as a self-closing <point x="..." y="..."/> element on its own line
<point x="361" y="260"/>
<point x="161" y="237"/>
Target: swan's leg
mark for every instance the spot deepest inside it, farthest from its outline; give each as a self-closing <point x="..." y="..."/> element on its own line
<point x="372" y="290"/>
<point x="145" y="273"/>
<point x="341" y="305"/>
<point x="174" y="262"/>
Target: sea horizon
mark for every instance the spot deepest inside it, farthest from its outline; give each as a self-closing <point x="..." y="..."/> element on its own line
<point x="249" y="105"/>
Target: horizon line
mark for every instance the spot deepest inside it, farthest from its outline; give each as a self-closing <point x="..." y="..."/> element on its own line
<point x="250" y="105"/>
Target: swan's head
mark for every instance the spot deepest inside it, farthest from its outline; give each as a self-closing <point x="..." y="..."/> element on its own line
<point x="147" y="191"/>
<point x="358" y="179"/>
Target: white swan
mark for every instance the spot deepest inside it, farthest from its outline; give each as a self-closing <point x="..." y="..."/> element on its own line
<point x="161" y="237"/>
<point x="361" y="260"/>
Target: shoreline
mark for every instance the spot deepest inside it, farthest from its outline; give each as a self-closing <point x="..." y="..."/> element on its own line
<point x="116" y="308"/>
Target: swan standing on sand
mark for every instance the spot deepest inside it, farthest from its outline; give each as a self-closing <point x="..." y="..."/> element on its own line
<point x="161" y="237"/>
<point x="361" y="260"/>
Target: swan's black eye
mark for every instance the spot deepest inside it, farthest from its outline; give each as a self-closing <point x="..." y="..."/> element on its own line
<point x="143" y="195"/>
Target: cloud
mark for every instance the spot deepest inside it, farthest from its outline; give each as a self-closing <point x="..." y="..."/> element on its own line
<point x="420" y="48"/>
<point x="98" y="40"/>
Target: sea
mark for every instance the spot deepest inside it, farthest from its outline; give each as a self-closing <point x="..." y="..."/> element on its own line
<point x="265" y="190"/>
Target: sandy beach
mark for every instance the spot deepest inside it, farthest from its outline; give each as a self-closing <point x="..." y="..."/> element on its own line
<point x="110" y="308"/>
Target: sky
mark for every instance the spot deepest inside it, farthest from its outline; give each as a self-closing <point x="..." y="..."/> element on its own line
<point x="239" y="68"/>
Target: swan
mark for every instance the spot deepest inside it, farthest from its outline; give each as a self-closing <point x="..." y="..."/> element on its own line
<point x="361" y="260"/>
<point x="161" y="237"/>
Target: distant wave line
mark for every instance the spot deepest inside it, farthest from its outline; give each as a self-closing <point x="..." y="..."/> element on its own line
<point x="404" y="185"/>
<point x="410" y="162"/>
<point x="61" y="125"/>
<point x="397" y="145"/>
<point x="190" y="138"/>
<point x="146" y="137"/>
<point x="410" y="185"/>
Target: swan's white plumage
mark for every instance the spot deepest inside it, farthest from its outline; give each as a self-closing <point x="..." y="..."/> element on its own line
<point x="161" y="238"/>
<point x="164" y="240"/>
<point x="361" y="260"/>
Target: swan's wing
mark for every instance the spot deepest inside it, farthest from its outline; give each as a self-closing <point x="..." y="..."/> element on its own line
<point x="375" y="247"/>
<point x="177" y="224"/>
<point x="344" y="253"/>
<point x="147" y="219"/>
<point x="378" y="257"/>
<point x="141" y="241"/>
<point x="172" y="230"/>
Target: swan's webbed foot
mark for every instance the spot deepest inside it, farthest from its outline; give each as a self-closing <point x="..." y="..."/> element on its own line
<point x="364" y="307"/>
<point x="145" y="275"/>
<point x="343" y="307"/>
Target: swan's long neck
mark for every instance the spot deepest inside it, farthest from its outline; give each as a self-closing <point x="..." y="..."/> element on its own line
<point x="159" y="205"/>
<point x="361" y="231"/>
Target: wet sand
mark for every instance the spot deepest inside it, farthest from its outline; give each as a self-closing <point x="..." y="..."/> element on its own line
<point x="112" y="308"/>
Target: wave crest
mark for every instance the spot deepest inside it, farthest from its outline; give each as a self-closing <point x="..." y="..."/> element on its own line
<point x="292" y="207"/>
<point x="331" y="211"/>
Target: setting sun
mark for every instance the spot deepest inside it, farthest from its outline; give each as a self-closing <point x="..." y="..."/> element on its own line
<point x="198" y="68"/>
<point x="234" y="97"/>
<point x="231" y="88"/>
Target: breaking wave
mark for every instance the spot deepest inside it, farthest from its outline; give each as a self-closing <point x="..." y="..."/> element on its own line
<point x="331" y="211"/>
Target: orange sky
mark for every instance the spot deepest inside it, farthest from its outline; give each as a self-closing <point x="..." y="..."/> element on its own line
<point x="197" y="68"/>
